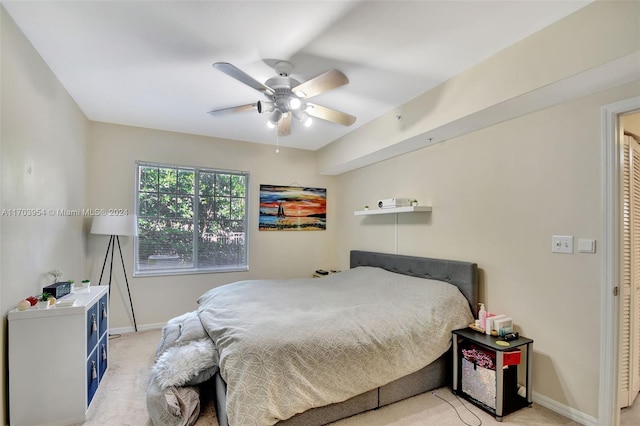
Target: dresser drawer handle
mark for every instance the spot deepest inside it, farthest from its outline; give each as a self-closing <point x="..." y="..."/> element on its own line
<point x="94" y="324"/>
<point x="104" y="352"/>
<point x="94" y="373"/>
<point x="104" y="310"/>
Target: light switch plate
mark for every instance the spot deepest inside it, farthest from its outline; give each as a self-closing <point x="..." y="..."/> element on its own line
<point x="562" y="244"/>
<point x="586" y="246"/>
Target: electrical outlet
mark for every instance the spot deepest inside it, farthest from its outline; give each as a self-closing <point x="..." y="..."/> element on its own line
<point x="562" y="244"/>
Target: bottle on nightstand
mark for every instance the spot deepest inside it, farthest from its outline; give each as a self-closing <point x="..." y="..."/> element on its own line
<point x="482" y="316"/>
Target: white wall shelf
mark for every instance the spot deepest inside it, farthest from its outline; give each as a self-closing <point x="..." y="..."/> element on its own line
<point x="408" y="209"/>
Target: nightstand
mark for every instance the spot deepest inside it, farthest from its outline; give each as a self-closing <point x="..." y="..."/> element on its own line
<point x="495" y="393"/>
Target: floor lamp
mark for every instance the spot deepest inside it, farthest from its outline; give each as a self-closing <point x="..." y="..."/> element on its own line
<point x="114" y="227"/>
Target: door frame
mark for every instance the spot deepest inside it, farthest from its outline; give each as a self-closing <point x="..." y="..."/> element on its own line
<point x="608" y="410"/>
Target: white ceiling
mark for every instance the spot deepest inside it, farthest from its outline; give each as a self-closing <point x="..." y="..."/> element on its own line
<point x="148" y="63"/>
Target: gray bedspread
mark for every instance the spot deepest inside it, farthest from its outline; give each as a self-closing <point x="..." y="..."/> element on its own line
<point x="287" y="346"/>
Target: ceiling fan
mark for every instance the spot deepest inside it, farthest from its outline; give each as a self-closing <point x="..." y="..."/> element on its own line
<point x="288" y="97"/>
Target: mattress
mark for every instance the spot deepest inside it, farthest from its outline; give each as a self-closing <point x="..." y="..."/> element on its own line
<point x="286" y="346"/>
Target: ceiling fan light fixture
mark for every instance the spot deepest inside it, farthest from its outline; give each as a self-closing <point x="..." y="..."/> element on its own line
<point x="301" y="116"/>
<point x="307" y="122"/>
<point x="265" y="106"/>
<point x="294" y="103"/>
<point x="275" y="117"/>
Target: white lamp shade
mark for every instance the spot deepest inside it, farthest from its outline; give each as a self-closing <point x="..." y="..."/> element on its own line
<point x="114" y="225"/>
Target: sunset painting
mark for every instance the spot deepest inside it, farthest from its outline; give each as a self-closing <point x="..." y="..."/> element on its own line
<point x="292" y="208"/>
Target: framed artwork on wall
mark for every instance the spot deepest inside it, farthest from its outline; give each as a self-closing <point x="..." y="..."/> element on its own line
<point x="292" y="208"/>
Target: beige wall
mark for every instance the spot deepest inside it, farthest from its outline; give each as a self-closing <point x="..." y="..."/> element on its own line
<point x="518" y="78"/>
<point x="42" y="157"/>
<point x="112" y="155"/>
<point x="498" y="195"/>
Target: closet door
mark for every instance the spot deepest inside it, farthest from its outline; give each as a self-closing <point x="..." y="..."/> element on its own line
<point x="629" y="383"/>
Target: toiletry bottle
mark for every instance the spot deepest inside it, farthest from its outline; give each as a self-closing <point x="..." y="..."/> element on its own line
<point x="482" y="316"/>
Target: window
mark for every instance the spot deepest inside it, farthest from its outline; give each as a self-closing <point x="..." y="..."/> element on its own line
<point x="190" y="220"/>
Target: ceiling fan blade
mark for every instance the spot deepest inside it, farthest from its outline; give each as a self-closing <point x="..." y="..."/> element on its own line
<point x="240" y="108"/>
<point x="320" y="84"/>
<point x="329" y="114"/>
<point x="284" y="125"/>
<point x="243" y="77"/>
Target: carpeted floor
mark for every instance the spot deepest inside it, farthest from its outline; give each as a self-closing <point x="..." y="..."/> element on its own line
<point x="121" y="401"/>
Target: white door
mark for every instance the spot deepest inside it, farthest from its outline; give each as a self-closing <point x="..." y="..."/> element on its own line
<point x="629" y="381"/>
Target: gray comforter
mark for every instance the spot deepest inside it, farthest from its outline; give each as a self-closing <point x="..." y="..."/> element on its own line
<point x="285" y="346"/>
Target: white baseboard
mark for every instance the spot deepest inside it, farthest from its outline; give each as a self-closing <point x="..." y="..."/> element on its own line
<point x="123" y="330"/>
<point x="568" y="412"/>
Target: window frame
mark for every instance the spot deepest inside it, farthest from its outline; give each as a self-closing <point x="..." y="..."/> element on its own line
<point x="196" y="198"/>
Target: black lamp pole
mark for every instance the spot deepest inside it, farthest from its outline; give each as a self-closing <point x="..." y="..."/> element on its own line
<point x="111" y="246"/>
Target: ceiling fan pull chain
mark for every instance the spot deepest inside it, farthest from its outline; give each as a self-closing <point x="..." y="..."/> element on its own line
<point x="277" y="142"/>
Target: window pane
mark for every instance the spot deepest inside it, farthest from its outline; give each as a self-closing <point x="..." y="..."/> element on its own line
<point x="164" y="244"/>
<point x="148" y="179"/>
<point x="168" y="224"/>
<point x="148" y="205"/>
<point x="237" y="208"/>
<point x="186" y="181"/>
<point x="222" y="208"/>
<point x="209" y="230"/>
<point x="184" y="207"/>
<point x="167" y="180"/>
<point x="178" y="235"/>
<point x="146" y="245"/>
<point x="238" y="186"/>
<point x="207" y="183"/>
<point x="206" y="207"/>
<point x="167" y="206"/>
<point x="237" y="226"/>
<point x="223" y="185"/>
<point x="222" y="246"/>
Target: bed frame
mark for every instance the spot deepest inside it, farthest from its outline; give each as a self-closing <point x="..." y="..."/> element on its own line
<point x="464" y="275"/>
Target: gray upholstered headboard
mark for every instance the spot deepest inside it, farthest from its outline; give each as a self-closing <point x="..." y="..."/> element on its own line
<point x="463" y="275"/>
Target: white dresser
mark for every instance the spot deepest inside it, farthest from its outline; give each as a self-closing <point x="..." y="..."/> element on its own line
<point x="57" y="358"/>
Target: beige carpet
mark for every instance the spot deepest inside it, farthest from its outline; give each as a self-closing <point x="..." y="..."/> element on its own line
<point x="121" y="401"/>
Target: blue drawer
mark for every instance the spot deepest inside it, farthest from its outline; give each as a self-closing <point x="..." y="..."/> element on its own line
<point x="103" y="355"/>
<point x="103" y="313"/>
<point x="93" y="375"/>
<point x="92" y="328"/>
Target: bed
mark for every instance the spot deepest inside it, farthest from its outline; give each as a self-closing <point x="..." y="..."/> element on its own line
<point x="327" y="367"/>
